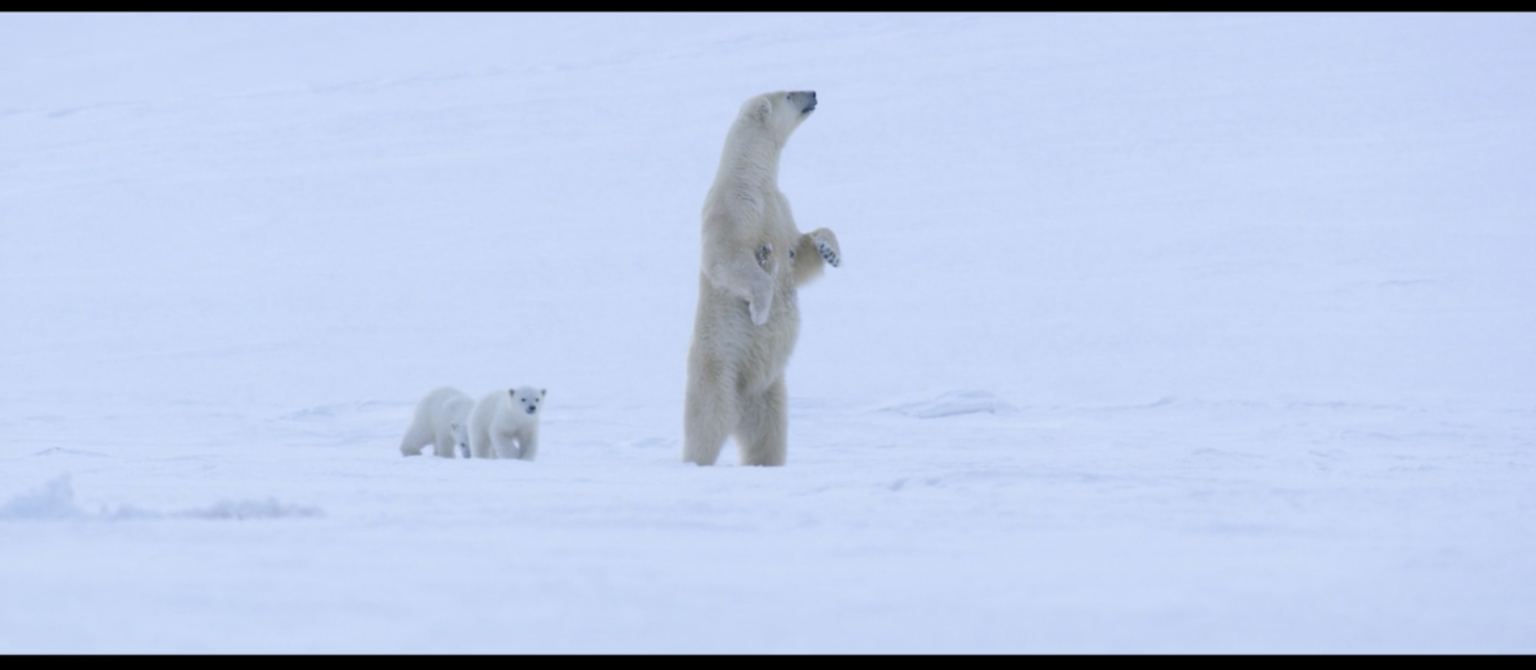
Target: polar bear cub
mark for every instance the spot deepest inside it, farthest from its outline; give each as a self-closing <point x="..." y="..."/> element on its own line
<point x="442" y="420"/>
<point x="505" y="424"/>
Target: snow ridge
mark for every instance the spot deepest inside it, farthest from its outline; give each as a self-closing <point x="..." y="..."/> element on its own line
<point x="56" y="501"/>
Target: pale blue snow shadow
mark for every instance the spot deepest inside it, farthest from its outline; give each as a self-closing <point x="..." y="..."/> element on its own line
<point x="950" y="403"/>
<point x="56" y="500"/>
<point x="650" y="443"/>
<point x="61" y="451"/>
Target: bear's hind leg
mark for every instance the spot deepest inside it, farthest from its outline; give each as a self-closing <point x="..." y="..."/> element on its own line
<point x="709" y="413"/>
<point x="764" y="431"/>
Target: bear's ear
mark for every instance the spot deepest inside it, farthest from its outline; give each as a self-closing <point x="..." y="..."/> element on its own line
<point x="513" y="393"/>
<point x="763" y="109"/>
<point x="542" y="392"/>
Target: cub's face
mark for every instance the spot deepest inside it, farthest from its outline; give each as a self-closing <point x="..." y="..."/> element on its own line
<point x="460" y="436"/>
<point x="526" y="399"/>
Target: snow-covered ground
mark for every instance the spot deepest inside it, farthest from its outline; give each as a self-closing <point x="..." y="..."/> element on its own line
<point x="1154" y="333"/>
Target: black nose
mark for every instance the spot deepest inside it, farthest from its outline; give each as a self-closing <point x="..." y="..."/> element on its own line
<point x="532" y="409"/>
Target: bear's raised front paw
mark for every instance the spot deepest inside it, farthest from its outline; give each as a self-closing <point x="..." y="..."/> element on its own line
<point x="826" y="245"/>
<point x="828" y="253"/>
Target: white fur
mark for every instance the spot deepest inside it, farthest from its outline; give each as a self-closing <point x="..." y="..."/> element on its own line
<point x="442" y="420"/>
<point x="753" y="260"/>
<point x="505" y="424"/>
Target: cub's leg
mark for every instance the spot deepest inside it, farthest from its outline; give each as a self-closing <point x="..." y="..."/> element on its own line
<point x="506" y="445"/>
<point x="445" y="443"/>
<point x="480" y="441"/>
<point x="480" y="420"/>
<point x="528" y="445"/>
<point x="416" y="437"/>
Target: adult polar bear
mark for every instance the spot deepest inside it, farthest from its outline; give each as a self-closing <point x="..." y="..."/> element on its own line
<point x="754" y="258"/>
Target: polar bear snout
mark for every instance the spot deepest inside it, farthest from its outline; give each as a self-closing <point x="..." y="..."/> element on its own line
<point x="805" y="100"/>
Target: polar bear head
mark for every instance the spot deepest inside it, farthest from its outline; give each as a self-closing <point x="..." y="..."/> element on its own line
<point x="460" y="432"/>
<point x="779" y="113"/>
<point x="526" y="400"/>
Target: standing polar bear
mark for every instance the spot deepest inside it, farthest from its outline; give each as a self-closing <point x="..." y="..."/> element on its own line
<point x="754" y="259"/>
<point x="442" y="420"/>
<point x="505" y="424"/>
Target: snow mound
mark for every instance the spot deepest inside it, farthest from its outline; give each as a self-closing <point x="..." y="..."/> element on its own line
<point x="951" y="403"/>
<point x="56" y="500"/>
<point x="241" y="510"/>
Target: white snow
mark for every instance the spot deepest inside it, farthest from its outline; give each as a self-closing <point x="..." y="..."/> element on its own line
<point x="1154" y="333"/>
